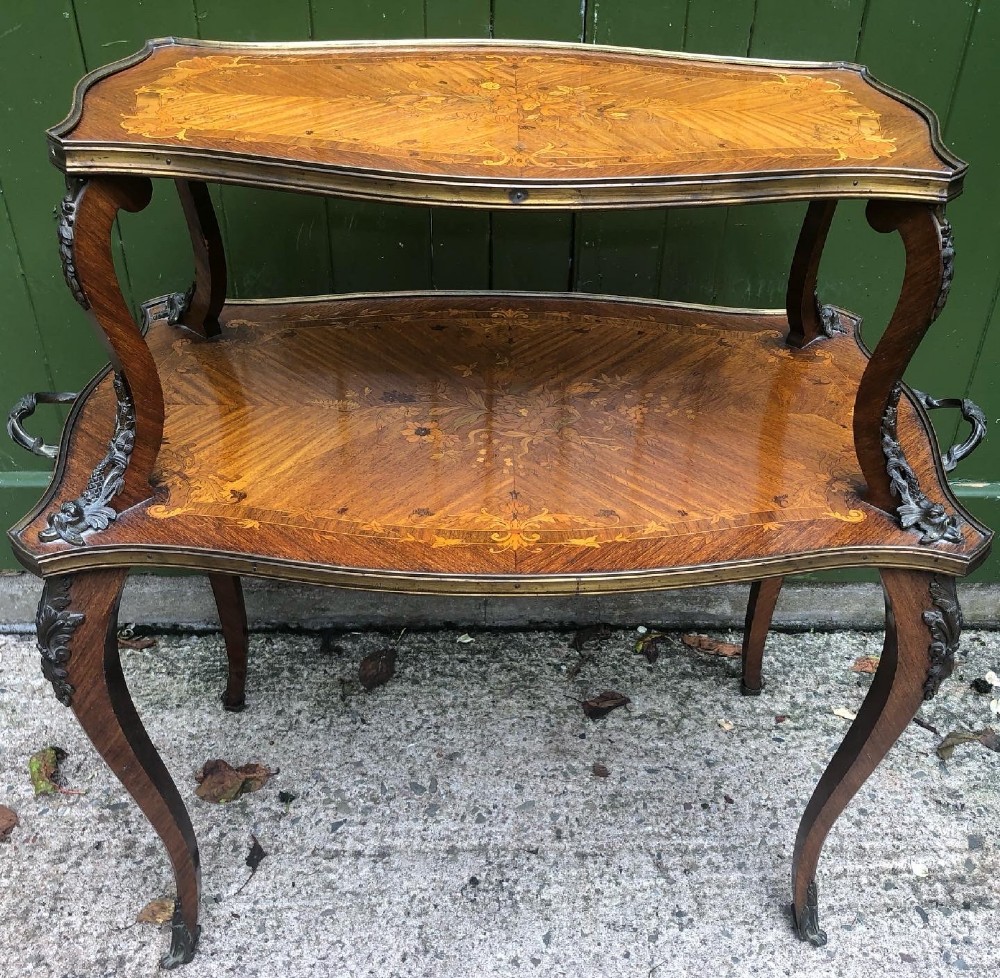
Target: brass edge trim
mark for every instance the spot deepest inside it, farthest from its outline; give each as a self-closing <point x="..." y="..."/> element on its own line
<point x="501" y="296"/>
<point x="420" y="44"/>
<point x="135" y="555"/>
<point x="687" y="190"/>
<point x="91" y="78"/>
<point x="929" y="115"/>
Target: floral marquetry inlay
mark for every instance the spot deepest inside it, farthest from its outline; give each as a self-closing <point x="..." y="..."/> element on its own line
<point x="501" y="428"/>
<point x="509" y="114"/>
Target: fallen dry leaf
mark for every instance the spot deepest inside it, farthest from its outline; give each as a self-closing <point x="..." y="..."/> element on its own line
<point x="219" y="782"/>
<point x="377" y="669"/>
<point x="781" y="718"/>
<point x="726" y="725"/>
<point x="599" y="770"/>
<point x="987" y="737"/>
<point x="844" y="714"/>
<point x="703" y="643"/>
<point x="128" y="638"/>
<point x="43" y="769"/>
<point x="8" y="822"/>
<point x="465" y="639"/>
<point x="156" y="911"/>
<point x="601" y="705"/>
<point x="590" y="633"/>
<point x="865" y="663"/>
<point x="650" y="644"/>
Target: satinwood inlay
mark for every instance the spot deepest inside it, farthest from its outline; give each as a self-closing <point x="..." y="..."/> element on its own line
<point x="509" y="113"/>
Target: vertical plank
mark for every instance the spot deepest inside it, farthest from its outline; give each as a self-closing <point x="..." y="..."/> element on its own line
<point x="693" y="237"/>
<point x="759" y="240"/>
<point x="277" y="243"/>
<point x="40" y="62"/>
<point x="531" y="250"/>
<point x="457" y="18"/>
<point x="620" y="252"/>
<point x="157" y="257"/>
<point x="375" y="246"/>
<point x="23" y="365"/>
<point x="460" y="239"/>
<point x="909" y="44"/>
<point x="973" y="307"/>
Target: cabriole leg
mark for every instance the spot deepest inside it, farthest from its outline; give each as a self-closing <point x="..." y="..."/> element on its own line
<point x="200" y="309"/>
<point x="77" y="638"/>
<point x="760" y="610"/>
<point x="923" y="623"/>
<point x="808" y="319"/>
<point x="228" y="593"/>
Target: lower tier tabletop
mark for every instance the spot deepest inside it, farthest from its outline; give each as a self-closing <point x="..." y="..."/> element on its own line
<point x="500" y="443"/>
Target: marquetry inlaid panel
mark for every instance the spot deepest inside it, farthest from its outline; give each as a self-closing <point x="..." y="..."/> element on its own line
<point x="506" y="435"/>
<point x="501" y="111"/>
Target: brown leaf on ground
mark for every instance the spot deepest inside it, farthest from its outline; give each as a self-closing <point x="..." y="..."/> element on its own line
<point x="703" y="643"/>
<point x="144" y="642"/>
<point x="377" y="669"/>
<point x="601" y="705"/>
<point x="590" y="633"/>
<point x="650" y="645"/>
<point x="219" y="782"/>
<point x="987" y="737"/>
<point x="156" y="911"/>
<point x="8" y="822"/>
<point x="599" y="770"/>
<point x="865" y="663"/>
<point x="129" y="639"/>
<point x="43" y="769"/>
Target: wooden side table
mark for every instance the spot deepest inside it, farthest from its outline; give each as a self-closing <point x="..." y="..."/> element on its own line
<point x="496" y="443"/>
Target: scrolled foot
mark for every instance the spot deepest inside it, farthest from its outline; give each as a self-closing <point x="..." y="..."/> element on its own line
<point x="233" y="705"/>
<point x="182" y="942"/>
<point x="807" y="918"/>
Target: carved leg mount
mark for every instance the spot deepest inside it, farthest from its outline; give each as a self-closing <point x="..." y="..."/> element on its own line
<point x="923" y="623"/>
<point x="77" y="638"/>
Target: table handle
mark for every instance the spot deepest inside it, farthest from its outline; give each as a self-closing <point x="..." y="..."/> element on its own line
<point x="24" y="409"/>
<point x="972" y="413"/>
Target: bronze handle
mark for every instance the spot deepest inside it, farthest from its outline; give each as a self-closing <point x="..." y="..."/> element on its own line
<point x="972" y="413"/>
<point x="24" y="409"/>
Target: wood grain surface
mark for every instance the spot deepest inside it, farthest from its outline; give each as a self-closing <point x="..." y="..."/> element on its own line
<point x="500" y="114"/>
<point x="502" y="443"/>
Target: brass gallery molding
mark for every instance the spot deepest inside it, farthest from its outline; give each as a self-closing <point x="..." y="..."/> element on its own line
<point x="857" y="181"/>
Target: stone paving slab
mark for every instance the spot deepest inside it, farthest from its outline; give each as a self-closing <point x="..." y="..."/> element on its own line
<point x="449" y="823"/>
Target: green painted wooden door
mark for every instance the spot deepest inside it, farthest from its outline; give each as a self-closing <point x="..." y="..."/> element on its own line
<point x="942" y="51"/>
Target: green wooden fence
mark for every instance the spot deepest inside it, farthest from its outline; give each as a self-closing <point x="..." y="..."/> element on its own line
<point x="942" y="51"/>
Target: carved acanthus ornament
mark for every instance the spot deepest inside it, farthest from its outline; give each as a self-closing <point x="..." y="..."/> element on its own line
<point x="92" y="510"/>
<point x="947" y="262"/>
<point x="915" y="510"/>
<point x="945" y="624"/>
<point x="66" y="230"/>
<point x="56" y="624"/>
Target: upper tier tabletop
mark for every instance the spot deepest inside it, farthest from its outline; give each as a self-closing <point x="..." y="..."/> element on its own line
<point x="503" y="124"/>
